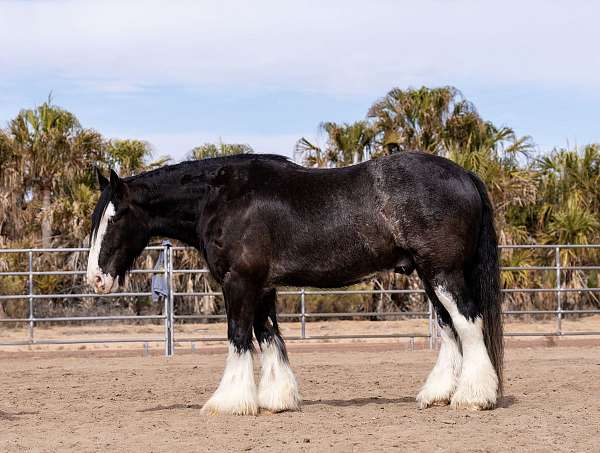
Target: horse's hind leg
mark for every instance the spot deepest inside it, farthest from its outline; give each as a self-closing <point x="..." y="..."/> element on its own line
<point x="478" y="383"/>
<point x="236" y="393"/>
<point x="443" y="378"/>
<point x="278" y="388"/>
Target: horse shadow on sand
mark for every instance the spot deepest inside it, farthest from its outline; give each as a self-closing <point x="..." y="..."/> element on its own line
<point x="12" y="416"/>
<point x="359" y="401"/>
<point x="337" y="403"/>
<point x="505" y="402"/>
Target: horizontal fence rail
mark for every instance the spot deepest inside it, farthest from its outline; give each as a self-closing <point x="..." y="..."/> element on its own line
<point x="169" y="317"/>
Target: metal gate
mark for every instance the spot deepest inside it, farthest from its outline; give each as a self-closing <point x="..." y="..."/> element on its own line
<point x="169" y="317"/>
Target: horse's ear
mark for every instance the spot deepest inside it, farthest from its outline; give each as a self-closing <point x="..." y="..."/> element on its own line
<point x="102" y="181"/>
<point x="116" y="183"/>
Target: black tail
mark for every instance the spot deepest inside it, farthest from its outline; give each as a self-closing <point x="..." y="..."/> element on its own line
<point x="485" y="283"/>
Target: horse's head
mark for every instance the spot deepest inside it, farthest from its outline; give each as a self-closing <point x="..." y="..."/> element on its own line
<point x="119" y="234"/>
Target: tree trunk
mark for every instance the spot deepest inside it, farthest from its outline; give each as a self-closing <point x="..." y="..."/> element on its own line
<point x="46" y="218"/>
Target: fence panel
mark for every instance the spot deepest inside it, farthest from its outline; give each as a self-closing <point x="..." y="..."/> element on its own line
<point x="169" y="317"/>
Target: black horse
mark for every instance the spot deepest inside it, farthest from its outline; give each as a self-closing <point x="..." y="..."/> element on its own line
<point x="261" y="221"/>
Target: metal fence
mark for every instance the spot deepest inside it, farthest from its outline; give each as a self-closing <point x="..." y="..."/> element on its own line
<point x="169" y="317"/>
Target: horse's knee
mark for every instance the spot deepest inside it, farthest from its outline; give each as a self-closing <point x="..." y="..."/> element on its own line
<point x="265" y="309"/>
<point x="239" y="334"/>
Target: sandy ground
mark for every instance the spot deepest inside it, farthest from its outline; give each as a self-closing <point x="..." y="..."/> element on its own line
<point x="357" y="397"/>
<point x="114" y="330"/>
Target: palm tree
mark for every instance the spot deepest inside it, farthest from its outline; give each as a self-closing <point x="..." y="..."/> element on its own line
<point x="131" y="156"/>
<point x="569" y="199"/>
<point x="437" y="120"/>
<point x="10" y="188"/>
<point x="419" y="119"/>
<point x="219" y="149"/>
<point x="347" y="144"/>
<point x="53" y="148"/>
<point x="567" y="211"/>
<point x="310" y="154"/>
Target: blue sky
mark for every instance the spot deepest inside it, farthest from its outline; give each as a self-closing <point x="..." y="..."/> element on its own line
<point x="181" y="73"/>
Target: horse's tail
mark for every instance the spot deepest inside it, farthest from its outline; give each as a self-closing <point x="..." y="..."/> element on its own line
<point x="485" y="283"/>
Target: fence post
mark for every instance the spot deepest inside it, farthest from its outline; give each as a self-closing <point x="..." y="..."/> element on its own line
<point x="30" y="289"/>
<point x="302" y="315"/>
<point x="168" y="311"/>
<point x="558" y="293"/>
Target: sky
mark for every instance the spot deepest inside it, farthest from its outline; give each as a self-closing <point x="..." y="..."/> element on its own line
<point x="182" y="73"/>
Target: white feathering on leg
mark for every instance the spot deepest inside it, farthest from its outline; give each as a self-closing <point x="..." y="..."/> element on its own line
<point x="478" y="383"/>
<point x="278" y="388"/>
<point x="443" y="379"/>
<point x="236" y="393"/>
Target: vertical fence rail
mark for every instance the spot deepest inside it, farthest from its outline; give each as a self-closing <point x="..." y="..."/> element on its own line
<point x="30" y="292"/>
<point x="558" y="293"/>
<point x="169" y="315"/>
<point x="302" y="314"/>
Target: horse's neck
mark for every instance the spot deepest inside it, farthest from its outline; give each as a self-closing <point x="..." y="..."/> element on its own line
<point x="173" y="227"/>
<point x="176" y="215"/>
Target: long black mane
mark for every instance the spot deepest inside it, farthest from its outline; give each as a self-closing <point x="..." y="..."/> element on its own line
<point x="194" y="167"/>
<point x="105" y="197"/>
<point x="152" y="182"/>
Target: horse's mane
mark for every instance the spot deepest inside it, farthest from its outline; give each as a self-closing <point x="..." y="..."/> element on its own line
<point x="153" y="179"/>
<point x="206" y="164"/>
<point x="99" y="211"/>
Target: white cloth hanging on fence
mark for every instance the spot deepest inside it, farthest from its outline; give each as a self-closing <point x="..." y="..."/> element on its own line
<point x="160" y="286"/>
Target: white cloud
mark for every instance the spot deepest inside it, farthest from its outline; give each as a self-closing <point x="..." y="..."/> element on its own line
<point x="344" y="47"/>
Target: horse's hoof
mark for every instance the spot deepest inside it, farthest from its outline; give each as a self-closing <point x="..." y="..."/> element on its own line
<point x="469" y="407"/>
<point x="278" y="410"/>
<point x="274" y="407"/>
<point x="472" y="406"/>
<point x="439" y="403"/>
<point x="430" y="396"/>
<point x="422" y="404"/>
<point x="281" y="395"/>
<point x="209" y="410"/>
<point x="212" y="408"/>
<point x="476" y="392"/>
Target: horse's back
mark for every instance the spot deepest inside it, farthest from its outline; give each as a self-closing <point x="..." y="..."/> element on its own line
<point x="345" y="223"/>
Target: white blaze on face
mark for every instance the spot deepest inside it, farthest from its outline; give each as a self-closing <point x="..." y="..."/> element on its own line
<point x="96" y="278"/>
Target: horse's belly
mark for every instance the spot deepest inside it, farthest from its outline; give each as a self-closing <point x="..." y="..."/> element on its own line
<point x="333" y="266"/>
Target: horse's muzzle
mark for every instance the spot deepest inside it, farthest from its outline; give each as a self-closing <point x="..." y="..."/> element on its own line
<point x="103" y="283"/>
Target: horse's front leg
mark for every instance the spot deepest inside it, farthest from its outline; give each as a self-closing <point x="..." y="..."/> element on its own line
<point x="237" y="393"/>
<point x="278" y="388"/>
